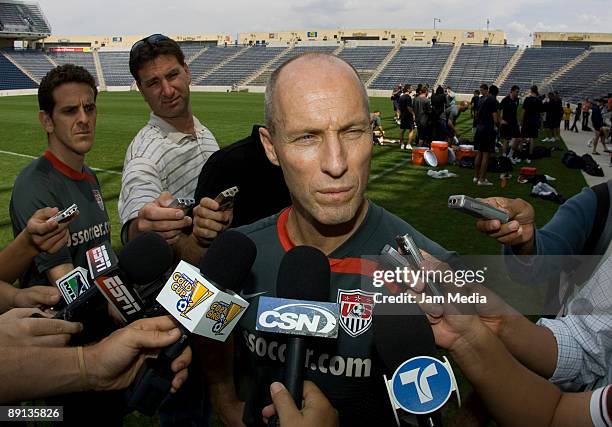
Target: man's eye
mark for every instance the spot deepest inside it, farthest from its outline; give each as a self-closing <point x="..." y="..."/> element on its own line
<point x="354" y="133"/>
<point x="305" y="138"/>
<point x="151" y="84"/>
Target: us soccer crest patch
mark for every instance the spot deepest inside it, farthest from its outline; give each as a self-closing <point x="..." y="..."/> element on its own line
<point x="356" y="308"/>
<point x="98" y="196"/>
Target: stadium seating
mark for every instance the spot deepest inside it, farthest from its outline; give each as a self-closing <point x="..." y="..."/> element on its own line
<point x="262" y="79"/>
<point x="84" y="59"/>
<point x="13" y="77"/>
<point x="365" y="59"/>
<point x="413" y="65"/>
<point x="35" y="61"/>
<point x="239" y="68"/>
<point x="537" y="64"/>
<point x="475" y="65"/>
<point x="26" y="18"/>
<point x="116" y="68"/>
<point x="190" y="49"/>
<point x="590" y="78"/>
<point x="210" y="58"/>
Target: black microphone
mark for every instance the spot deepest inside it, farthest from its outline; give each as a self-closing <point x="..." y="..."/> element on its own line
<point x="112" y="283"/>
<point x="147" y="261"/>
<point x="401" y="336"/>
<point x="304" y="274"/>
<point x="226" y="264"/>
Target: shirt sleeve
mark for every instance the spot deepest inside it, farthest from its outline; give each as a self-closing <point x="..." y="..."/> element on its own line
<point x="140" y="184"/>
<point x="584" y="337"/>
<point x="601" y="407"/>
<point x="565" y="234"/>
<point x="29" y="195"/>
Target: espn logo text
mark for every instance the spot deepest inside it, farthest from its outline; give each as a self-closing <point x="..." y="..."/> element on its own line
<point x="119" y="295"/>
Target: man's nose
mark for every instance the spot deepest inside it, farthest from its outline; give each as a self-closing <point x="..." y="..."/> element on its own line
<point x="334" y="156"/>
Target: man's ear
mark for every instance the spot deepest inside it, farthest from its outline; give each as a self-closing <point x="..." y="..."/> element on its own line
<point x="186" y="68"/>
<point x="266" y="140"/>
<point x="46" y="121"/>
<point x="139" y="86"/>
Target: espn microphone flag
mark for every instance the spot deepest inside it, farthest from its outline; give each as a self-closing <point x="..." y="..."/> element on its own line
<point x="199" y="305"/>
<point x="105" y="272"/>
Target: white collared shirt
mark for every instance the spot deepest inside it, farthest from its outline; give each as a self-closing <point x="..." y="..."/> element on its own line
<point x="161" y="158"/>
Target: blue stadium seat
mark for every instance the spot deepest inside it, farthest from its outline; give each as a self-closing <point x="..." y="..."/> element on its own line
<point x="590" y="78"/>
<point x="116" y="68"/>
<point x="477" y="64"/>
<point x="84" y="59"/>
<point x="262" y="79"/>
<point x="537" y="64"/>
<point x="413" y="65"/>
<point x="241" y="67"/>
<point x="35" y="61"/>
<point x="365" y="59"/>
<point x="12" y="77"/>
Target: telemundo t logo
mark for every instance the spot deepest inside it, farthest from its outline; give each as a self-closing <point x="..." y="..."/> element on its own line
<point x="422" y="385"/>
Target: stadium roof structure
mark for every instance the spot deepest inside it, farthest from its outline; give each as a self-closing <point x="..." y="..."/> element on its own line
<point x="23" y="19"/>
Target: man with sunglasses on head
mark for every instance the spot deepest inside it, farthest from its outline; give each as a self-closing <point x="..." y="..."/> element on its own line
<point x="165" y="157"/>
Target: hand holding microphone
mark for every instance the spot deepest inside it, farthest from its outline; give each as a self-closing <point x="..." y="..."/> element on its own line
<point x="158" y="216"/>
<point x="112" y="364"/>
<point x="205" y="304"/>
<point x="317" y="411"/>
<point x="45" y="235"/>
<point x="209" y="220"/>
<point x="32" y="327"/>
<point x="33" y="297"/>
<point x="519" y="231"/>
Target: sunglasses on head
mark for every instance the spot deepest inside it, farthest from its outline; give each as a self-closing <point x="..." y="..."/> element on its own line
<point x="153" y="39"/>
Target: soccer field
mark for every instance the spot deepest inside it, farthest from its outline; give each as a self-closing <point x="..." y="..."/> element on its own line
<point x="395" y="183"/>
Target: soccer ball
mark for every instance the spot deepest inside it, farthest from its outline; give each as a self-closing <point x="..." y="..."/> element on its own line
<point x="182" y="305"/>
<point x="358" y="310"/>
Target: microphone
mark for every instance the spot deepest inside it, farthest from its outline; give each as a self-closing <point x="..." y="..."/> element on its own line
<point x="299" y="310"/>
<point x="144" y="258"/>
<point x="205" y="303"/>
<point x="420" y="384"/>
<point x="111" y="282"/>
<point x="147" y="261"/>
<point x="304" y="274"/>
<point x="73" y="284"/>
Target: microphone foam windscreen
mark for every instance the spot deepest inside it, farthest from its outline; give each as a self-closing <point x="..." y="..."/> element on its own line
<point x="304" y="275"/>
<point x="400" y="336"/>
<point x="229" y="260"/>
<point x="146" y="258"/>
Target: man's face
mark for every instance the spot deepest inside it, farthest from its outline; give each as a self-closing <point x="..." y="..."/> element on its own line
<point x="484" y="92"/>
<point x="514" y="94"/>
<point x="72" y="125"/>
<point x="323" y="140"/>
<point x="164" y="84"/>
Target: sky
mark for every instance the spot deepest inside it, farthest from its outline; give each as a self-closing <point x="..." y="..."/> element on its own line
<point x="518" y="18"/>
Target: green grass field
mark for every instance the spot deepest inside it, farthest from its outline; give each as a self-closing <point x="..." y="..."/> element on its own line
<point x="408" y="191"/>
